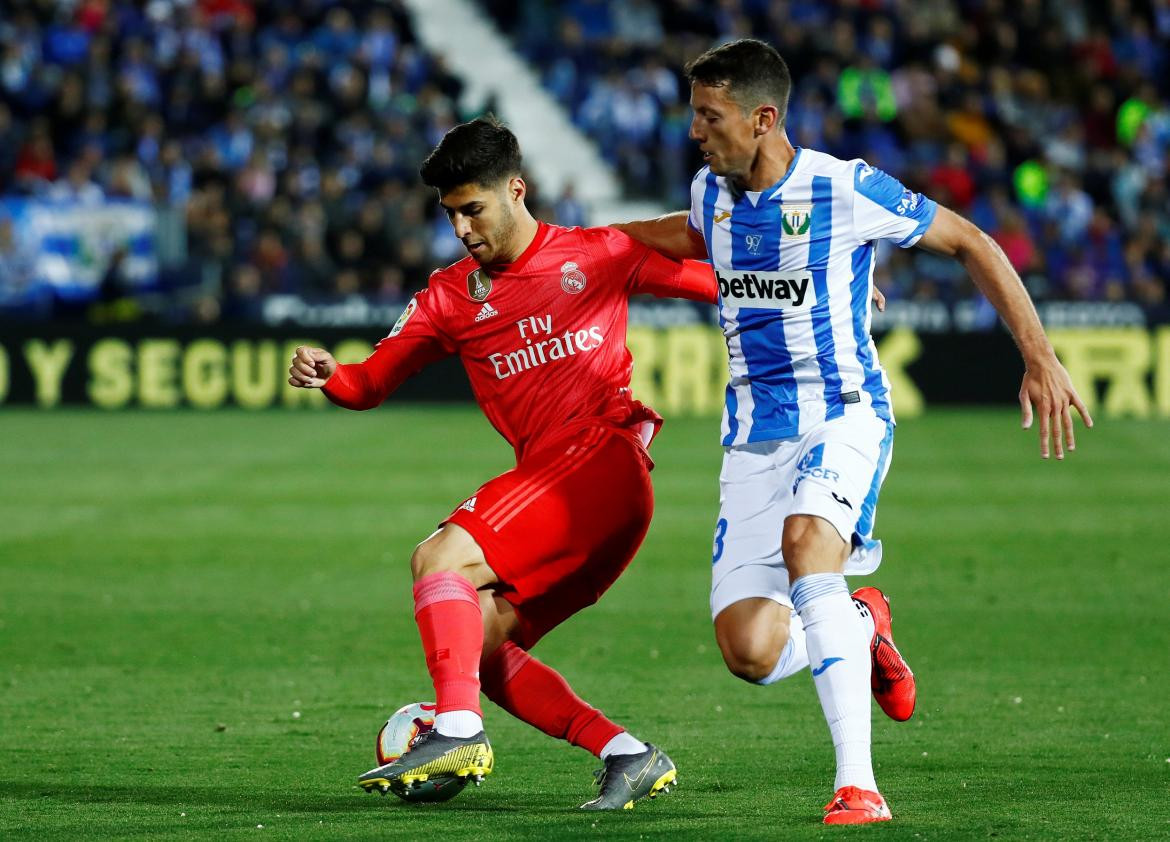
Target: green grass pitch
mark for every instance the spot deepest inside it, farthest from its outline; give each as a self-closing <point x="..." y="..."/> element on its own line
<point x="204" y="618"/>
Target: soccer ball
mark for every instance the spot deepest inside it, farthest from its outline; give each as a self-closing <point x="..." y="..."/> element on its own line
<point x="399" y="733"/>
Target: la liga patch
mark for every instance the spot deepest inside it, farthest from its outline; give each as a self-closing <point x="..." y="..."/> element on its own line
<point x="404" y="318"/>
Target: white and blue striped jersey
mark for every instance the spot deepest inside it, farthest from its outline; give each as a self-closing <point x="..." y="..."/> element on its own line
<point x="795" y="268"/>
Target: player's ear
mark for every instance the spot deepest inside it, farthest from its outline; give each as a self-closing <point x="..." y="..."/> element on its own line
<point x="765" y="118"/>
<point x="517" y="189"/>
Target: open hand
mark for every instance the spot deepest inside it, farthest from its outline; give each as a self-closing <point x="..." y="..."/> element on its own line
<point x="1049" y="389"/>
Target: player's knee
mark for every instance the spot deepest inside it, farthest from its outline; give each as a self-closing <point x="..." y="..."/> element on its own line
<point x="429" y="557"/>
<point x="751" y="663"/>
<point x="751" y="657"/>
<point x="451" y="552"/>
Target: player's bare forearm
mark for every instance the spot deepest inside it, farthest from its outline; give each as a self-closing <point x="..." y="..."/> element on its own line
<point x="995" y="277"/>
<point x="988" y="266"/>
<point x="670" y="234"/>
<point x="1046" y="384"/>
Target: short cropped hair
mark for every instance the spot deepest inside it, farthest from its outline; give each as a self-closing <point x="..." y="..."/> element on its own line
<point x="481" y="152"/>
<point x="754" y="73"/>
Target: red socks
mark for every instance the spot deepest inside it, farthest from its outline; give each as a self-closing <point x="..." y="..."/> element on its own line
<point x="446" y="608"/>
<point x="538" y="695"/>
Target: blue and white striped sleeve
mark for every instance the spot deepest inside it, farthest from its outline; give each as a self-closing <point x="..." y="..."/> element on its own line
<point x="884" y="209"/>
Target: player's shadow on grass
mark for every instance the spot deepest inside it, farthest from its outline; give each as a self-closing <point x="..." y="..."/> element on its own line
<point x="187" y="797"/>
<point x="190" y="797"/>
<point x="309" y="802"/>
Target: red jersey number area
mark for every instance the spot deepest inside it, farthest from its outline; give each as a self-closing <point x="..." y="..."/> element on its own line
<point x="560" y="527"/>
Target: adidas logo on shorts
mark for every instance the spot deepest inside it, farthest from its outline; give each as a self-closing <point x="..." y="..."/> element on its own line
<point x="486" y="312"/>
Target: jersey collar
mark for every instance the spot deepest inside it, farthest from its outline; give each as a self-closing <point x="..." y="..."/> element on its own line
<point x="775" y="194"/>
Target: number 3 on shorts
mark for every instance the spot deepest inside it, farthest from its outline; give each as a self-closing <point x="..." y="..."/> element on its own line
<point x="720" y="533"/>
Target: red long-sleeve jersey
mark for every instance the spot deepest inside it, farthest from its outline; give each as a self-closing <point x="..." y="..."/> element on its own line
<point x="543" y="339"/>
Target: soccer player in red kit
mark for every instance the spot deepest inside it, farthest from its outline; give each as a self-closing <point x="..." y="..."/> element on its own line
<point x="538" y="314"/>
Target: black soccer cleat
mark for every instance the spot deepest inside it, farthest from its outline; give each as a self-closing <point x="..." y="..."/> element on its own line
<point x="628" y="777"/>
<point x="433" y="755"/>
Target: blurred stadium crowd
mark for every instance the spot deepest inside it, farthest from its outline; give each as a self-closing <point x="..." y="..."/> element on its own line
<point x="1047" y="122"/>
<point x="281" y="140"/>
<point x="287" y="136"/>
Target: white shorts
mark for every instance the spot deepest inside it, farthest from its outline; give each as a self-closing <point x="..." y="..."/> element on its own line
<point x="834" y="471"/>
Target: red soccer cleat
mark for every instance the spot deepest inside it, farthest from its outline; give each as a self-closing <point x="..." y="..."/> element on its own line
<point x="851" y="805"/>
<point x="891" y="679"/>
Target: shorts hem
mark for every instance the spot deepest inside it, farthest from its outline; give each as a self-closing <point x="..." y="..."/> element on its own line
<point x="726" y="592"/>
<point x="846" y="534"/>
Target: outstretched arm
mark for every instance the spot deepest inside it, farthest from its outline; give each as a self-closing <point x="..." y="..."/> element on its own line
<point x="359" y="386"/>
<point x="670" y="234"/>
<point x="1046" y="385"/>
<point x="673" y="236"/>
<point x="413" y="343"/>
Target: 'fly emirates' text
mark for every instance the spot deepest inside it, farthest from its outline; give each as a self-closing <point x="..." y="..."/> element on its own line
<point x="541" y="347"/>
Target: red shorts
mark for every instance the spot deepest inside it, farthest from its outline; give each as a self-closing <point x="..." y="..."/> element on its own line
<point x="560" y="527"/>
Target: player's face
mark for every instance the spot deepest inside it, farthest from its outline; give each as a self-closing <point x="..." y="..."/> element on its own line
<point x="726" y="136"/>
<point x="485" y="218"/>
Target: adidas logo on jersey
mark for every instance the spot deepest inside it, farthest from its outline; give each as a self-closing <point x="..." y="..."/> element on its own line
<point x="486" y="312"/>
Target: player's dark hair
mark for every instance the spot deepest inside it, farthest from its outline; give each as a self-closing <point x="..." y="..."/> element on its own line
<point x="754" y="73"/>
<point x="480" y="152"/>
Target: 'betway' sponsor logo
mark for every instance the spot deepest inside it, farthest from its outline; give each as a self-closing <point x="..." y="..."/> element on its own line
<point x="766" y="290"/>
<point x="542" y="347"/>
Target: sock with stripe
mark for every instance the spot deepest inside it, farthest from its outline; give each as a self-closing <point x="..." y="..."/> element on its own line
<point x="450" y="622"/>
<point x="537" y="694"/>
<point x="794" y="656"/>
<point x="838" y="653"/>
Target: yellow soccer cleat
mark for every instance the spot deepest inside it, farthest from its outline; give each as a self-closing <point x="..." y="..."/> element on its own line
<point x="434" y="755"/>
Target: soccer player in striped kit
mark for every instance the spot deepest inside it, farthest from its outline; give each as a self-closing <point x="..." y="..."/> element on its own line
<point x="537" y="314"/>
<point x="808" y="427"/>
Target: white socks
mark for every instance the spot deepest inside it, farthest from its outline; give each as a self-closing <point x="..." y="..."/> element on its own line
<point x="794" y="656"/>
<point x="839" y="656"/>
<point x="623" y="743"/>
<point x="459" y="723"/>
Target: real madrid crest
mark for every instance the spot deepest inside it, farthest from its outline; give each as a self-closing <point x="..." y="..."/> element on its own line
<point x="572" y="278"/>
<point x="479" y="284"/>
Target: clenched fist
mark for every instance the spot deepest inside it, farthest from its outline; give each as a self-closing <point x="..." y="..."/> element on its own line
<point x="311" y="367"/>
